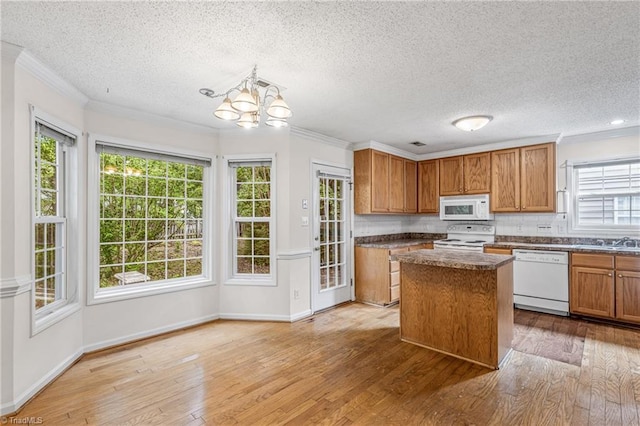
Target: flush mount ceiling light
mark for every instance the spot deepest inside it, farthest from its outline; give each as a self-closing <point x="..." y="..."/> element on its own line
<point x="472" y="123"/>
<point x="246" y="106"/>
<point x="617" y="122"/>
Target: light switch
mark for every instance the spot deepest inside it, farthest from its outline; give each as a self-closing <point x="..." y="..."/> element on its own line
<point x="305" y="204"/>
<point x="305" y="220"/>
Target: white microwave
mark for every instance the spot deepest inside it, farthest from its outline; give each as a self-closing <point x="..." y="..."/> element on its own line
<point x="465" y="207"/>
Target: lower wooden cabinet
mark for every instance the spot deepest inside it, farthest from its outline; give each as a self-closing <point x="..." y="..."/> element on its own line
<point x="377" y="276"/>
<point x="605" y="286"/>
<point x="497" y="250"/>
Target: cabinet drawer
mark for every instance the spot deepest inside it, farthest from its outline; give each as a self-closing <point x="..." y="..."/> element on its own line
<point x="394" y="266"/>
<point x="628" y="263"/>
<point x="592" y="260"/>
<point x="394" y="279"/>
<point x="395" y="293"/>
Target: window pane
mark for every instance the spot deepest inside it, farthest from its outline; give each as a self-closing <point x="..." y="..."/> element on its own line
<point x="261" y="230"/>
<point x="262" y="191"/>
<point x="150" y="244"/>
<point x="261" y="265"/>
<point x="244" y="209"/>
<point x="244" y="191"/>
<point x="244" y="265"/>
<point x="48" y="176"/>
<point x="194" y="267"/>
<point x="263" y="209"/>
<point x="261" y="247"/>
<point x="48" y="203"/>
<point x="263" y="174"/>
<point x="244" y="174"/>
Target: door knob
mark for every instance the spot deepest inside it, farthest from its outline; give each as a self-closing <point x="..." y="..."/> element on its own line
<point x="317" y="248"/>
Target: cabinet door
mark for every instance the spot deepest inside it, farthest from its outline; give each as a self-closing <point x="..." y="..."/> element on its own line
<point x="379" y="182"/>
<point x="505" y="180"/>
<point x="592" y="292"/>
<point x="477" y="173"/>
<point x="628" y="296"/>
<point x="538" y="178"/>
<point x="410" y="187"/>
<point x="428" y="186"/>
<point x="451" y="176"/>
<point x="396" y="184"/>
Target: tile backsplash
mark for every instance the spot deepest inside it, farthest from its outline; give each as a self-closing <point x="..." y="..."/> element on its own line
<point x="524" y="224"/>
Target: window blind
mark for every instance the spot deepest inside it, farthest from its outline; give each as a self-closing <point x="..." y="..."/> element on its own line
<point x="151" y="155"/>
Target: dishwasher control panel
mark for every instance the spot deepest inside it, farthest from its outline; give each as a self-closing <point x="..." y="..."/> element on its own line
<point x="558" y="257"/>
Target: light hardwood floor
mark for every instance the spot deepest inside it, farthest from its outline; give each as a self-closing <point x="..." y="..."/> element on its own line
<point x="342" y="366"/>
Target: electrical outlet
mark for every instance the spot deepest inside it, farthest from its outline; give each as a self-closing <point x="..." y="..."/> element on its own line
<point x="562" y="229"/>
<point x="296" y="294"/>
<point x="519" y="228"/>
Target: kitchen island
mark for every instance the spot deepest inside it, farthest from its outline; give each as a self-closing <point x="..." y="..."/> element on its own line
<point x="458" y="303"/>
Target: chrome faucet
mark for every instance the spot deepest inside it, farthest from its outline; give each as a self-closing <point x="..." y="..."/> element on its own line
<point x="622" y="242"/>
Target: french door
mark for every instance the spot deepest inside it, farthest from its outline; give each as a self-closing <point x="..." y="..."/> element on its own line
<point x="331" y="258"/>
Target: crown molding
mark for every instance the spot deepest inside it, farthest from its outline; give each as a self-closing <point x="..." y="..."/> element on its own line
<point x="45" y="74"/>
<point x="492" y="146"/>
<point x="319" y="137"/>
<point x="11" y="287"/>
<point x="385" y="148"/>
<point x="602" y="135"/>
<point x="120" y="111"/>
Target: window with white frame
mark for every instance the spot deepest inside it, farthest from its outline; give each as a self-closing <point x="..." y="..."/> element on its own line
<point x="252" y="218"/>
<point x="151" y="217"/>
<point x="607" y="195"/>
<point x="49" y="217"/>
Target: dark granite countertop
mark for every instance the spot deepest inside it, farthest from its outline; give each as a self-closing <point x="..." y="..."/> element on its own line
<point x="455" y="259"/>
<point x="627" y="251"/>
<point x="391" y="244"/>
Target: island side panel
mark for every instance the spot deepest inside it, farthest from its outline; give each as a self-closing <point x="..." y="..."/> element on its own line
<point x="505" y="310"/>
<point x="450" y="310"/>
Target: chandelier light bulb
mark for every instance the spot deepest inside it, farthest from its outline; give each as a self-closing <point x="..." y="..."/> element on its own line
<point x="279" y="109"/>
<point x="248" y="121"/>
<point x="276" y="122"/>
<point x="225" y="111"/>
<point x="245" y="102"/>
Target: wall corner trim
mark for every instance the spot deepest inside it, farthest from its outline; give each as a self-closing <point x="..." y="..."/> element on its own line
<point x="42" y="72"/>
<point x="11" y="287"/>
<point x="385" y="148"/>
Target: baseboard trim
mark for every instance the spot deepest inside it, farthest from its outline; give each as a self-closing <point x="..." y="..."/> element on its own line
<point x="106" y="344"/>
<point x="40" y="385"/>
<point x="255" y="317"/>
<point x="301" y="315"/>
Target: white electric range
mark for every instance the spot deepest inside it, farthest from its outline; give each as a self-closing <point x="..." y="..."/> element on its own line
<point x="466" y="237"/>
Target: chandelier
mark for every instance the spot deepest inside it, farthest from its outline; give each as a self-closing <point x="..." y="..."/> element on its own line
<point x="245" y="108"/>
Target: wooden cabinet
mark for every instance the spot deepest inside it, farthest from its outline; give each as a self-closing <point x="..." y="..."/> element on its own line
<point x="384" y="183"/>
<point x="467" y="174"/>
<point x="377" y="276"/>
<point x="410" y="186"/>
<point x="497" y="250"/>
<point x="605" y="286"/>
<point x="429" y="186"/>
<point x="628" y="288"/>
<point x="451" y="176"/>
<point x="524" y="179"/>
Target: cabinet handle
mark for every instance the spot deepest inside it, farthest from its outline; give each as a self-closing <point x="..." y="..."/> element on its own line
<point x="619" y="275"/>
<point x="609" y="275"/>
<point x="524" y="207"/>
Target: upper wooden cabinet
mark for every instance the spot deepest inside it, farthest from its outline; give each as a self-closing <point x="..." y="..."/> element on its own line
<point x="451" y="176"/>
<point x="383" y="183"/>
<point x="524" y="179"/>
<point x="428" y="186"/>
<point x="410" y="186"/>
<point x="465" y="174"/>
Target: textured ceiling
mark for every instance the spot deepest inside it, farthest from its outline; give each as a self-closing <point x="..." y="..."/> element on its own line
<point x="393" y="72"/>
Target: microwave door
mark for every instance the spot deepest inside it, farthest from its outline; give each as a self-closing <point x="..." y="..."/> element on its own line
<point x="458" y="211"/>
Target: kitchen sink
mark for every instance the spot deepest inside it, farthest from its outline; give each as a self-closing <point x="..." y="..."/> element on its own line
<point x="607" y="248"/>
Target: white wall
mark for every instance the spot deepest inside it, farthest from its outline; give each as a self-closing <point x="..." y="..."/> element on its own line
<point x="30" y="359"/>
<point x="117" y="322"/>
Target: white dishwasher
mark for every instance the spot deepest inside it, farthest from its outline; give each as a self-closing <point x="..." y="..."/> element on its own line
<point x="541" y="281"/>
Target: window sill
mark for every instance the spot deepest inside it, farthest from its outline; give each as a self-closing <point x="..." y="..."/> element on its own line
<point x="115" y="294"/>
<point x="248" y="281"/>
<point x="46" y="321"/>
